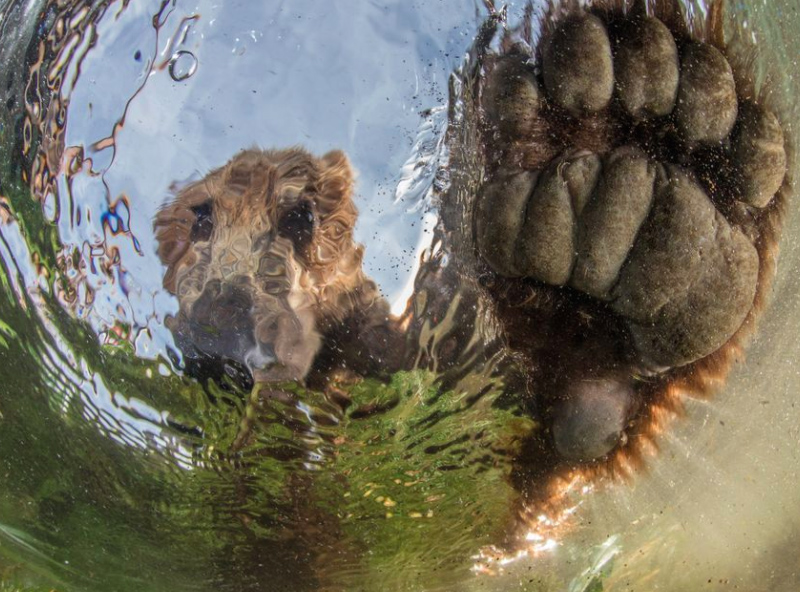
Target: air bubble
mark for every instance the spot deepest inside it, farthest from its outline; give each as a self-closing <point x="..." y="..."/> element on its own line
<point x="182" y="65"/>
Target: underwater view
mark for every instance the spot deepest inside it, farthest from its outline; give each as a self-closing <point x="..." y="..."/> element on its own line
<point x="419" y="296"/>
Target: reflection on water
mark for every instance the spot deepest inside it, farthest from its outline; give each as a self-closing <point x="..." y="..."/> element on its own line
<point x="119" y="472"/>
<point x="134" y="476"/>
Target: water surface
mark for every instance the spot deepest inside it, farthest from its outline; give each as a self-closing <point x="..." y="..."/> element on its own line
<point x="114" y="475"/>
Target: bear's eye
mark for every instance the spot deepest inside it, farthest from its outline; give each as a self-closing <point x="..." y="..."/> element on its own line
<point x="298" y="225"/>
<point x="203" y="223"/>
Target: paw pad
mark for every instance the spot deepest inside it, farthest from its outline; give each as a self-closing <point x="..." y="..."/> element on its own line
<point x="577" y="65"/>
<point x="600" y="179"/>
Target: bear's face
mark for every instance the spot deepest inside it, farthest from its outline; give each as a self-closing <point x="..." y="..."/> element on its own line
<point x="258" y="253"/>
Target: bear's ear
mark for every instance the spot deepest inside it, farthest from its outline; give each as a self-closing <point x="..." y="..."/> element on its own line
<point x="335" y="180"/>
<point x="173" y="226"/>
<point x="337" y="160"/>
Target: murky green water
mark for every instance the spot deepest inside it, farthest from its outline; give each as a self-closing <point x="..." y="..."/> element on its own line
<point x="115" y="469"/>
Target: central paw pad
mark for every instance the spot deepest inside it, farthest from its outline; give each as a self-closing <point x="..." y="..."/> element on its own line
<point x="626" y="168"/>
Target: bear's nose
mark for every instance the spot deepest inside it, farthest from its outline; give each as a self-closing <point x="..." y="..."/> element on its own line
<point x="231" y="307"/>
<point x="224" y="307"/>
<point x="220" y="323"/>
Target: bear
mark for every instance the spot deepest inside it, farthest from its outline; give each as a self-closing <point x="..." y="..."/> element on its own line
<point x="261" y="256"/>
<point x="630" y="180"/>
<point x="615" y="202"/>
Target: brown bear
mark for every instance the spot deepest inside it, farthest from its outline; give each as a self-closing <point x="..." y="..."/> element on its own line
<point x="261" y="256"/>
<point x="616" y="194"/>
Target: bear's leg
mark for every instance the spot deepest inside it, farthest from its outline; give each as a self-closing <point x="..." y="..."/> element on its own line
<point x="632" y="175"/>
